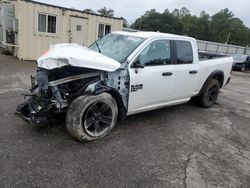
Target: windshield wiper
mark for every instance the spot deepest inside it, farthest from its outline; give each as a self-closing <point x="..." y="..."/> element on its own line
<point x="98" y="47"/>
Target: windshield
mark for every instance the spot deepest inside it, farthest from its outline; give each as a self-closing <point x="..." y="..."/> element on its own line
<point x="117" y="46"/>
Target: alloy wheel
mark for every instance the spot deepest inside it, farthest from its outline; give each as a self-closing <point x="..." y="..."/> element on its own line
<point x="97" y="119"/>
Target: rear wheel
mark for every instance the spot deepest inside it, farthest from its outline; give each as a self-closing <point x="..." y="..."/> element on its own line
<point x="210" y="94"/>
<point x="92" y="117"/>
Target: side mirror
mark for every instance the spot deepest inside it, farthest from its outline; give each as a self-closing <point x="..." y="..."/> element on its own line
<point x="137" y="64"/>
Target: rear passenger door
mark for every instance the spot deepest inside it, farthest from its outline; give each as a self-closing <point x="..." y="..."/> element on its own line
<point x="185" y="71"/>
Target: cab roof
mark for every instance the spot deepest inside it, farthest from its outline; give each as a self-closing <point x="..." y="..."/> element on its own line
<point x="150" y="34"/>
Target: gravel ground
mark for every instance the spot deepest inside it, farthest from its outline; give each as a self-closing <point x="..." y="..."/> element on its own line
<point x="179" y="146"/>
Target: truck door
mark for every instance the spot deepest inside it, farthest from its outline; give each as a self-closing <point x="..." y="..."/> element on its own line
<point x="186" y="70"/>
<point x="151" y="77"/>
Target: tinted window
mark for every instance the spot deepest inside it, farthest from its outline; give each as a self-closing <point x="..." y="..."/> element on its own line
<point x="184" y="52"/>
<point x="157" y="53"/>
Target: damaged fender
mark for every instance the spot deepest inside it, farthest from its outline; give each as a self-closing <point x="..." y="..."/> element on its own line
<point x="98" y="88"/>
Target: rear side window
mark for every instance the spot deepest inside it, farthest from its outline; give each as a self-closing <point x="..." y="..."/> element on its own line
<point x="184" y="52"/>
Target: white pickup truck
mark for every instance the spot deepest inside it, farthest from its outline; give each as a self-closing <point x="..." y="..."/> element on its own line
<point x="121" y="74"/>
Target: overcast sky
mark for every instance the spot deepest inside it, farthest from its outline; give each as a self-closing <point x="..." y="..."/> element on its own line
<point x="132" y="9"/>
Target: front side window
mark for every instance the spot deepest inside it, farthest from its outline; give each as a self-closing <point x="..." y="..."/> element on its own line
<point x="47" y="23"/>
<point x="103" y="30"/>
<point x="184" y="52"/>
<point x="157" y="53"/>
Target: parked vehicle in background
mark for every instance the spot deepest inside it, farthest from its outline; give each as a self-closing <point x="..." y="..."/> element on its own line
<point x="241" y="62"/>
<point x="121" y="74"/>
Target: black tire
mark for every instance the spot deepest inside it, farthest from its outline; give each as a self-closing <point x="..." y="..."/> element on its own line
<point x="91" y="117"/>
<point x="243" y="68"/>
<point x="210" y="94"/>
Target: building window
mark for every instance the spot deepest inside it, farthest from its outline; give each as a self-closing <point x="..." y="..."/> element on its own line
<point x="78" y="27"/>
<point x="157" y="53"/>
<point x="41" y="22"/>
<point x="46" y="23"/>
<point x="107" y="29"/>
<point x="103" y="29"/>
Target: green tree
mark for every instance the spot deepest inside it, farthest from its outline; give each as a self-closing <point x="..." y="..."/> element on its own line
<point x="204" y="26"/>
<point x="221" y="27"/>
<point x="176" y="12"/>
<point x="106" y="12"/>
<point x="155" y="21"/>
<point x="184" y="12"/>
<point x="125" y="22"/>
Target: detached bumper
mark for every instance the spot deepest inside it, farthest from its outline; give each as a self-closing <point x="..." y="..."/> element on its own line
<point x="25" y="111"/>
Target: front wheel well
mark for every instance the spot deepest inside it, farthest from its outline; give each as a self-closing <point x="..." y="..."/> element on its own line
<point x="122" y="111"/>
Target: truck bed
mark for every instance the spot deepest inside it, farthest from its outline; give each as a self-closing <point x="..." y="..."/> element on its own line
<point x="208" y="55"/>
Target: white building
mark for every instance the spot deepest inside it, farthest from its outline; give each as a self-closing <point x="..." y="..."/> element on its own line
<point x="29" y="28"/>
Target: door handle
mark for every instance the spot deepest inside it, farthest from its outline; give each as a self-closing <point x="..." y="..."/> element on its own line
<point x="167" y="74"/>
<point x="193" y="72"/>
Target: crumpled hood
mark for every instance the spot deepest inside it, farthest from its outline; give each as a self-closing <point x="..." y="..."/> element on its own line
<point x="60" y="55"/>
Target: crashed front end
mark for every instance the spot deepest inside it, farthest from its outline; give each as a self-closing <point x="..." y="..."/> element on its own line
<point x="51" y="95"/>
<point x="64" y="73"/>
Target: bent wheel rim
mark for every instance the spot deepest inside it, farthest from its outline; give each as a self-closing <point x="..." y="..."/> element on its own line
<point x="97" y="119"/>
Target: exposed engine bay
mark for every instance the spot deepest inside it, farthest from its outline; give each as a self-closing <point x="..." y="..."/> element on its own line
<point x="53" y="90"/>
<point x="66" y="72"/>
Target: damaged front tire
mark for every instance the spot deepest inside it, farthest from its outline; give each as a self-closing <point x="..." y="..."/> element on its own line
<point x="91" y="117"/>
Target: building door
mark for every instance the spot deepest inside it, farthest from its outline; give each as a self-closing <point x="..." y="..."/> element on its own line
<point x="79" y="30"/>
